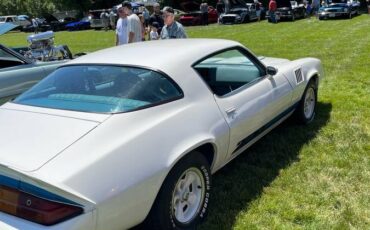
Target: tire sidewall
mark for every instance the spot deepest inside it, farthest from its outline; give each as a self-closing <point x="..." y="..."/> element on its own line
<point x="169" y="221"/>
<point x="301" y="115"/>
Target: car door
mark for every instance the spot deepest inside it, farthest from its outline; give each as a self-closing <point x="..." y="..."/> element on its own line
<point x="247" y="97"/>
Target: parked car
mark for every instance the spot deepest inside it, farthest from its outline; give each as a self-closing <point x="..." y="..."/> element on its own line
<point x="238" y="11"/>
<point x="193" y="15"/>
<point x="83" y="24"/>
<point x="122" y="137"/>
<point x="13" y="19"/>
<point x="289" y="10"/>
<point x="42" y="25"/>
<point x="18" y="73"/>
<point x="339" y="8"/>
<point x="57" y="24"/>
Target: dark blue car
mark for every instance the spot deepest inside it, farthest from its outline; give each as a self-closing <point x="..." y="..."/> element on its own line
<point x="84" y="24"/>
<point x="339" y="8"/>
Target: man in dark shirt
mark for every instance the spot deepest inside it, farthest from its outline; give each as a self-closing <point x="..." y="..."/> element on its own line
<point x="220" y="7"/>
<point x="157" y="17"/>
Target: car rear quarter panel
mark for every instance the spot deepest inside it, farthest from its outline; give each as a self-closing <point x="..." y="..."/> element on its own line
<point x="122" y="164"/>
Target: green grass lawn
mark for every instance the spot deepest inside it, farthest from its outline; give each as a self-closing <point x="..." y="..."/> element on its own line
<point x="297" y="177"/>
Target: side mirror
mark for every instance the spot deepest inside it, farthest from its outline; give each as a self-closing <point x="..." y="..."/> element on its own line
<point x="271" y="70"/>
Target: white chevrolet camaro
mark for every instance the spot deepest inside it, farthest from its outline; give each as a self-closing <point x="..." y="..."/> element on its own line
<point x="134" y="132"/>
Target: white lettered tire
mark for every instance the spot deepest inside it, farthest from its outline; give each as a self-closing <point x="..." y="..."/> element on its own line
<point x="183" y="200"/>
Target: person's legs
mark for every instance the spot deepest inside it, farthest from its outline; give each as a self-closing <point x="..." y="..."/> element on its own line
<point x="273" y="17"/>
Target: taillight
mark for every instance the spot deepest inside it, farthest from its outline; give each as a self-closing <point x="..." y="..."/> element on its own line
<point x="35" y="209"/>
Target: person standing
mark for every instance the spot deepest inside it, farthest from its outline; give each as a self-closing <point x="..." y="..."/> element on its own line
<point x="112" y="19"/>
<point x="35" y="25"/>
<point x="204" y="10"/>
<point x="157" y="17"/>
<point x="272" y="11"/>
<point x="153" y="35"/>
<point x="220" y="7"/>
<point x="104" y="19"/>
<point x="258" y="9"/>
<point x="133" y="24"/>
<point x="172" y="29"/>
<point x="315" y="7"/>
<point x="146" y="16"/>
<point x="143" y="27"/>
<point x="121" y="28"/>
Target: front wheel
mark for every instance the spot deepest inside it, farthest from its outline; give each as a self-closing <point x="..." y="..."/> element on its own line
<point x="307" y="106"/>
<point x="183" y="200"/>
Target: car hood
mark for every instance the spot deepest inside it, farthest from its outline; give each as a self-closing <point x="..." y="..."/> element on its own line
<point x="234" y="5"/>
<point x="275" y="62"/>
<point x="6" y="27"/>
<point x="29" y="139"/>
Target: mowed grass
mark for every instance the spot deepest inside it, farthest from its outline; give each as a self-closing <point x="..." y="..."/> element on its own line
<point x="297" y="177"/>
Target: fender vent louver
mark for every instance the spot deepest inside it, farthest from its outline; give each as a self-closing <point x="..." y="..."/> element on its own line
<point x="298" y="75"/>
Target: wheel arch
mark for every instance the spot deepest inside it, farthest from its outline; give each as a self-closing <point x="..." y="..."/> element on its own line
<point x="207" y="148"/>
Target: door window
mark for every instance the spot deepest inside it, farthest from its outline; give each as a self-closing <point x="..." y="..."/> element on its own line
<point x="228" y="71"/>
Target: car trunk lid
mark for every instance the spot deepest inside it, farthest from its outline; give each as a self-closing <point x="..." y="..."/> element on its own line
<point x="29" y="139"/>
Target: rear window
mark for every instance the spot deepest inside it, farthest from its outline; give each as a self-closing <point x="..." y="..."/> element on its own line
<point x="101" y="89"/>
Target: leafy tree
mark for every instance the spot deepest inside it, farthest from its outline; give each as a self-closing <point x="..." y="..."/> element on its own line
<point x="33" y="8"/>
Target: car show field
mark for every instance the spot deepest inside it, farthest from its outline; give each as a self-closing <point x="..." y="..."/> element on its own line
<point x="296" y="177"/>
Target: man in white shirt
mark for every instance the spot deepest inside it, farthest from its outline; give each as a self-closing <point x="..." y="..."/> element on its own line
<point x="121" y="28"/>
<point x="134" y="28"/>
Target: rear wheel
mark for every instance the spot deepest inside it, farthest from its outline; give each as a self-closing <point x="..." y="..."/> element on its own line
<point x="305" y="112"/>
<point x="182" y="202"/>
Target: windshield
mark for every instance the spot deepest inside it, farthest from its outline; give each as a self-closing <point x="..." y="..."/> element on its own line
<point x="2" y="19"/>
<point x="101" y="89"/>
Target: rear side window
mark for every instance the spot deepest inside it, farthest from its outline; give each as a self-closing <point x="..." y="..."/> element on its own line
<point x="228" y="71"/>
<point x="101" y="89"/>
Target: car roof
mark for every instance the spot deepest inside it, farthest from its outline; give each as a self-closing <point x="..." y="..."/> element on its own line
<point x="164" y="55"/>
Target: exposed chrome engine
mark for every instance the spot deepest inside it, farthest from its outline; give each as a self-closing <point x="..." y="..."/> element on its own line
<point x="41" y="48"/>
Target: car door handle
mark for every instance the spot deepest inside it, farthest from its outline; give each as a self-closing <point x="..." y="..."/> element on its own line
<point x="230" y="111"/>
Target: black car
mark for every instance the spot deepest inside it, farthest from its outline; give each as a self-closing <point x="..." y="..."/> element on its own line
<point x="339" y="8"/>
<point x="42" y="26"/>
<point x="287" y="9"/>
<point x="57" y="25"/>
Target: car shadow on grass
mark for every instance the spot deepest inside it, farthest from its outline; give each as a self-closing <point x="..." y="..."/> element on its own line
<point x="242" y="181"/>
